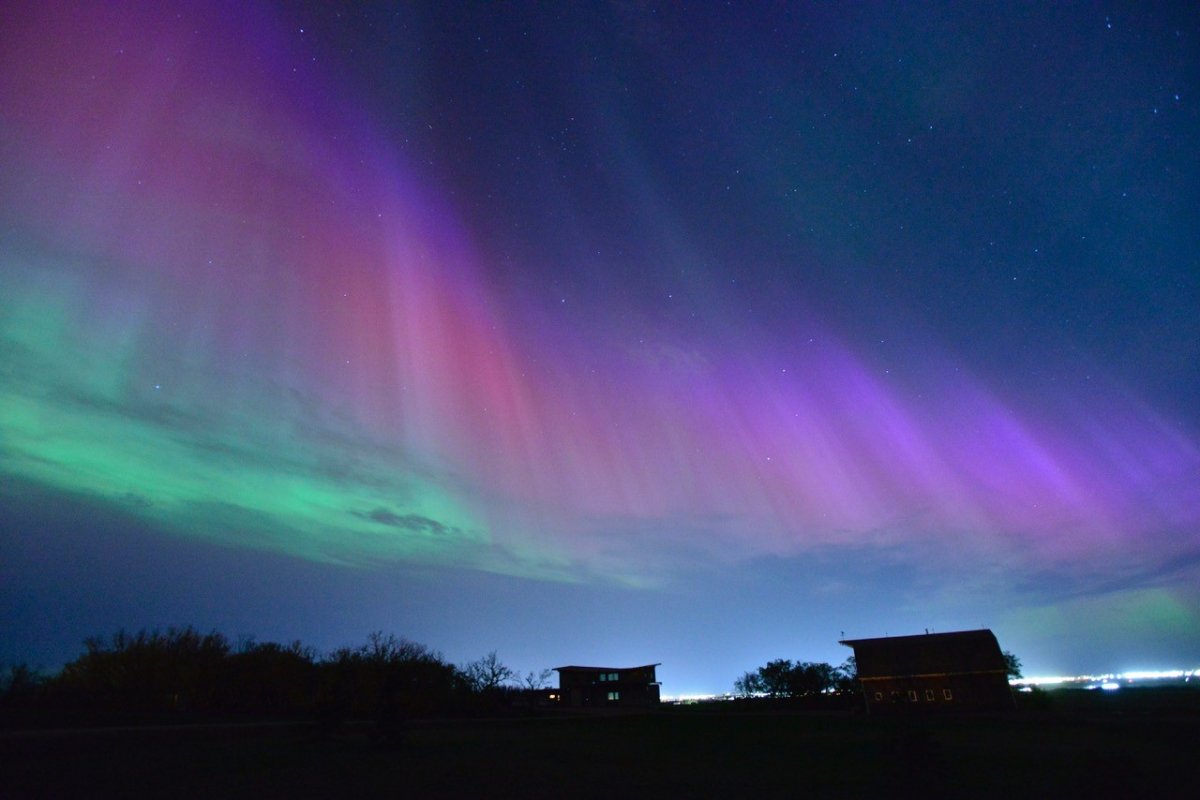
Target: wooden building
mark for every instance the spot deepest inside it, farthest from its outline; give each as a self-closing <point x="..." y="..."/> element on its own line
<point x="607" y="687"/>
<point x="963" y="670"/>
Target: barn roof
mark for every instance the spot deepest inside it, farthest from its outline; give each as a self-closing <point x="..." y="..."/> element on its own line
<point x="927" y="654"/>
<point x="606" y="669"/>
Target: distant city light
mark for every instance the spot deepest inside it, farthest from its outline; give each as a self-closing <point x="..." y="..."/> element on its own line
<point x="694" y="698"/>
<point x="1108" y="680"/>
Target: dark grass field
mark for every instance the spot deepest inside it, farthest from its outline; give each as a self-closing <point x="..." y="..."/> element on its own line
<point x="1080" y="747"/>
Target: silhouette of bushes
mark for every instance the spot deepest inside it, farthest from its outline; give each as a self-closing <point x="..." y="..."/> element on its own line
<point x="22" y="692"/>
<point x="269" y="678"/>
<point x="389" y="675"/>
<point x="150" y="671"/>
<point x="183" y="673"/>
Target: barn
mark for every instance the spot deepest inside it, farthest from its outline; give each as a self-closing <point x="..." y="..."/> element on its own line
<point x="961" y="670"/>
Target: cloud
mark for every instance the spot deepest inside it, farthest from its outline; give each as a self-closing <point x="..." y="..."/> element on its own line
<point x="413" y="523"/>
<point x="1102" y="576"/>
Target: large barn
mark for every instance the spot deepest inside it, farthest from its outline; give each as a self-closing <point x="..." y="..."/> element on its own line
<point x="962" y="670"/>
<point x="608" y="687"/>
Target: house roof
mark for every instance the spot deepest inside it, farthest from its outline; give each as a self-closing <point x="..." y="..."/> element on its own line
<point x="927" y="654"/>
<point x="605" y="669"/>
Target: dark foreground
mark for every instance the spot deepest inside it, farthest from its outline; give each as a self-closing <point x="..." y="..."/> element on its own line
<point x="1078" y="749"/>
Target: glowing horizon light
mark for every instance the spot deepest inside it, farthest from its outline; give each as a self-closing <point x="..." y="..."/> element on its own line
<point x="694" y="698"/>
<point x="1143" y="675"/>
<point x="1131" y="676"/>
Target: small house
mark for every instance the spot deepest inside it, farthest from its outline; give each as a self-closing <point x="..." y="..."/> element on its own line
<point x="962" y="670"/>
<point x="607" y="687"/>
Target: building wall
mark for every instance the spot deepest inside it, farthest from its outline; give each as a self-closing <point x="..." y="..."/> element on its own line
<point x="608" y="688"/>
<point x="988" y="691"/>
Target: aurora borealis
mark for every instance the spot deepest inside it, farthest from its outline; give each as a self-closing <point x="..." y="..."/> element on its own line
<point x="618" y="334"/>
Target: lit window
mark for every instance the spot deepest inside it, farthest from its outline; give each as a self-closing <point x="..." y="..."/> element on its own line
<point x="946" y="693"/>
<point x="929" y="694"/>
<point x="912" y="695"/>
<point x="614" y="695"/>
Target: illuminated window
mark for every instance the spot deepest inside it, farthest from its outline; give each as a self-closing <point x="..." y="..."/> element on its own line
<point x="929" y="694"/>
<point x="614" y="695"/>
<point x="608" y="676"/>
<point x="912" y="695"/>
<point x="946" y="693"/>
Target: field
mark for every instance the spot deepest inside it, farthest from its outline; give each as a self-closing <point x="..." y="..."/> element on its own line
<point x="1076" y="746"/>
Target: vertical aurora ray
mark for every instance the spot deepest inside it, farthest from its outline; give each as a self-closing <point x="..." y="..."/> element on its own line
<point x="196" y="316"/>
<point x="229" y="306"/>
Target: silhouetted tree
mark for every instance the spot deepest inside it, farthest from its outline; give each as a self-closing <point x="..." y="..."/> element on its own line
<point x="784" y="678"/>
<point x="810" y="678"/>
<point x="1012" y="665"/>
<point x="749" y="685"/>
<point x="20" y="679"/>
<point x="21" y="688"/>
<point x="776" y="677"/>
<point x="533" y="681"/>
<point x="487" y="674"/>
<point x="846" y="676"/>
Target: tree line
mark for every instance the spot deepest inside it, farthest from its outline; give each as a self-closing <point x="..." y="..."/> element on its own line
<point x="783" y="678"/>
<point x="182" y="671"/>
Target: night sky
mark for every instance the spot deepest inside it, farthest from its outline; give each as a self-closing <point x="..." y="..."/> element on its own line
<point x="608" y="333"/>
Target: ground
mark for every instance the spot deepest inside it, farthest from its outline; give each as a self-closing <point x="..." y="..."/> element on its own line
<point x="1078" y="748"/>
